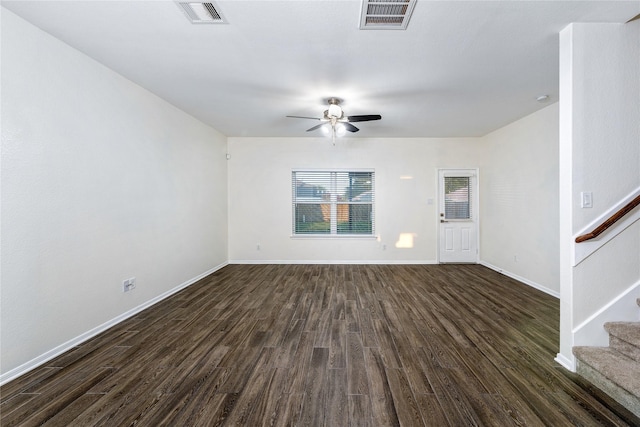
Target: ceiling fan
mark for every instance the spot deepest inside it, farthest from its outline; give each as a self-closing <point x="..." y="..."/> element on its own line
<point x="336" y="122"/>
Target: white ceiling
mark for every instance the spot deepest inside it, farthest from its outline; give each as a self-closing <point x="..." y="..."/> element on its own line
<point x="462" y="68"/>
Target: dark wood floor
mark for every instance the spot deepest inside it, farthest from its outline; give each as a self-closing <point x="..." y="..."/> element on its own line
<point x="313" y="345"/>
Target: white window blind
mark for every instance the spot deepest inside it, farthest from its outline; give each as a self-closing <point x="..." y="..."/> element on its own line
<point x="457" y="197"/>
<point x="333" y="202"/>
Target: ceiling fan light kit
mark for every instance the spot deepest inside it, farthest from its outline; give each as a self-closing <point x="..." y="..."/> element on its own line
<point x="334" y="109"/>
<point x="335" y="122"/>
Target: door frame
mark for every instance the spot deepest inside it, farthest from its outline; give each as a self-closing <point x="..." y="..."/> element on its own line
<point x="475" y="172"/>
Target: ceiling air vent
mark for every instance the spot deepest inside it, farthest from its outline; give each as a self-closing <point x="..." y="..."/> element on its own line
<point x="202" y="13"/>
<point x="386" y="14"/>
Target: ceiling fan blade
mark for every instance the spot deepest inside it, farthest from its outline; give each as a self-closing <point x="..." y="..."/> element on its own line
<point x="316" y="127"/>
<point x="633" y="19"/>
<point x="304" y="117"/>
<point x="364" y="118"/>
<point x="350" y="127"/>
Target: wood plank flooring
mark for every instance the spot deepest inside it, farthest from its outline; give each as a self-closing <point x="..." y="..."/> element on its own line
<point x="322" y="345"/>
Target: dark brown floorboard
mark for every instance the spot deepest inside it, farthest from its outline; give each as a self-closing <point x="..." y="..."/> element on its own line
<point x="322" y="345"/>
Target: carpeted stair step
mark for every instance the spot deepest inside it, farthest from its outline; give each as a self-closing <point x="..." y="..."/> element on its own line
<point x="612" y="372"/>
<point x="625" y="338"/>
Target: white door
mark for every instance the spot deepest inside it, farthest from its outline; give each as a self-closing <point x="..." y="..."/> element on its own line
<point x="458" y="223"/>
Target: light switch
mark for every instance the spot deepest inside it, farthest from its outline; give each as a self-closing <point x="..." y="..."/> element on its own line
<point x="586" y="199"/>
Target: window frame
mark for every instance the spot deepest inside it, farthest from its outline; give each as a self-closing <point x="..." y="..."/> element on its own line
<point x="333" y="203"/>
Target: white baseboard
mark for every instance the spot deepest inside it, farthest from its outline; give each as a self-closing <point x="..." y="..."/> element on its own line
<point x="339" y="261"/>
<point x="45" y="357"/>
<point x="570" y="364"/>
<point x="522" y="279"/>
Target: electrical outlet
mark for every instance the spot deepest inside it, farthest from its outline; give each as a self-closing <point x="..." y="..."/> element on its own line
<point x="129" y="284"/>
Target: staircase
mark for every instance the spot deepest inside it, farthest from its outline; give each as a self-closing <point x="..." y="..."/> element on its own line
<point x="615" y="369"/>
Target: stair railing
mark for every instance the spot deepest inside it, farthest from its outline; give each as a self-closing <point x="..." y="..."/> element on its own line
<point x="610" y="221"/>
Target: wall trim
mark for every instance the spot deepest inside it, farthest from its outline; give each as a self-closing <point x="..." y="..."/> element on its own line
<point x="55" y="352"/>
<point x="567" y="363"/>
<point x="342" y="261"/>
<point x="522" y="279"/>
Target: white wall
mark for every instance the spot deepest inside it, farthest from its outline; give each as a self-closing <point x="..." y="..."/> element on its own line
<point x="600" y="153"/>
<point x="101" y="181"/>
<point x="406" y="177"/>
<point x="519" y="205"/>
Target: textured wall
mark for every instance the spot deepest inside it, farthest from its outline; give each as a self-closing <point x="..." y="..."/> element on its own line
<point x="519" y="190"/>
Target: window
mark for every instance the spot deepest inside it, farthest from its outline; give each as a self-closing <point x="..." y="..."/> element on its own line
<point x="333" y="203"/>
<point x="457" y="197"/>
